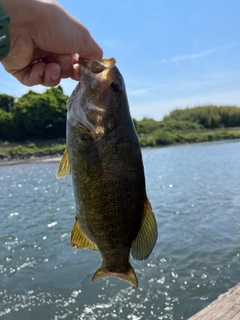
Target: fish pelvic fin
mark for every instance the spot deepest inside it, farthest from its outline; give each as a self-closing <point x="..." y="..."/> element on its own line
<point x="64" y="167"/>
<point x="144" y="243"/>
<point x="80" y="240"/>
<point x="129" y="275"/>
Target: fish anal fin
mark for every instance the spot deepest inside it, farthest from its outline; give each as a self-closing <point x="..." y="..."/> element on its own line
<point x="80" y="240"/>
<point x="128" y="276"/>
<point x="64" y="167"/>
<point x="144" y="243"/>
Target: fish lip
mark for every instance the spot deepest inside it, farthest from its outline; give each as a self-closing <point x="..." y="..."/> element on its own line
<point x="96" y="67"/>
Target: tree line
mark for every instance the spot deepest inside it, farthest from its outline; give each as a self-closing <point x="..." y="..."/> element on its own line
<point x="210" y="116"/>
<point x="36" y="116"/>
<point x="33" y="116"/>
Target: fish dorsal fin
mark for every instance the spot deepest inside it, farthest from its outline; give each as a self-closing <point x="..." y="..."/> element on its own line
<point x="79" y="239"/>
<point x="144" y="243"/>
<point x="64" y="167"/>
<point x="128" y="276"/>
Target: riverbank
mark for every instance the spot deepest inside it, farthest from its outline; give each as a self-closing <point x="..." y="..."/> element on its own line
<point x="38" y="151"/>
<point x="164" y="137"/>
<point x="32" y="160"/>
<point x="31" y="151"/>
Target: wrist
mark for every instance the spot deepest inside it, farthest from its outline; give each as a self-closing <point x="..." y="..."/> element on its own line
<point x="4" y="34"/>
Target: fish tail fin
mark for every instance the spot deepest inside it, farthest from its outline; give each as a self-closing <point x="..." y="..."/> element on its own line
<point x="129" y="275"/>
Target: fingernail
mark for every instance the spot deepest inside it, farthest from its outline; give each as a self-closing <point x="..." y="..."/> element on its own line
<point x="66" y="62"/>
<point x="55" y="75"/>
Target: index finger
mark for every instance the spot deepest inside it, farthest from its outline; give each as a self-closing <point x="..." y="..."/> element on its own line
<point x="64" y="34"/>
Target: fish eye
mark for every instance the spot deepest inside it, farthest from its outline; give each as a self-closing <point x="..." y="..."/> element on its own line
<point x="115" y="86"/>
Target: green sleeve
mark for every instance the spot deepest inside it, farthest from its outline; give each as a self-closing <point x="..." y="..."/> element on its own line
<point x="4" y="34"/>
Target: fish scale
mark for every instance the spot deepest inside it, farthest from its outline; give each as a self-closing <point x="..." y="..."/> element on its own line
<point x="113" y="214"/>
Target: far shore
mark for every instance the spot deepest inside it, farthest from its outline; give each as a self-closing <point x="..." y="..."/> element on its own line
<point x="56" y="158"/>
<point x="29" y="161"/>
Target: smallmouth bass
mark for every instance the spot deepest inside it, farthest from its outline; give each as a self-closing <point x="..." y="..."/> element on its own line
<point x="113" y="214"/>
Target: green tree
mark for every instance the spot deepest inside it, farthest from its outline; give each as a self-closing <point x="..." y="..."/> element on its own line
<point x="5" y="125"/>
<point x="135" y="122"/>
<point x="6" y="102"/>
<point x="209" y="116"/>
<point x="40" y="116"/>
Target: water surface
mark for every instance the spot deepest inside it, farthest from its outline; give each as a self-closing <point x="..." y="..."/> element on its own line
<point x="195" y="194"/>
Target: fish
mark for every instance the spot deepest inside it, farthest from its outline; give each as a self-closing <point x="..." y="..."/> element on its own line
<point x="103" y="155"/>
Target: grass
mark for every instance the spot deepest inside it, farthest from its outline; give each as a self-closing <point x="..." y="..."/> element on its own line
<point x="31" y="149"/>
<point x="164" y="138"/>
<point x="158" y="137"/>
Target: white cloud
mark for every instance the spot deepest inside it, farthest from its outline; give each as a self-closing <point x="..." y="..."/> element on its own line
<point x="143" y="92"/>
<point x="193" y="56"/>
<point x="188" y="56"/>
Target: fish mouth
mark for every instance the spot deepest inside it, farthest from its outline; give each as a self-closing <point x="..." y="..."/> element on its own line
<point x="97" y="66"/>
<point x="80" y="108"/>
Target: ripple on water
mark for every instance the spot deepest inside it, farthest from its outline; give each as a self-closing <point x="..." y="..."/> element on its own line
<point x="194" y="191"/>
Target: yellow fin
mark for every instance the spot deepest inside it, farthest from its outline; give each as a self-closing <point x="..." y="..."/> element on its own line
<point x="64" y="167"/>
<point x="79" y="239"/>
<point x="145" y="241"/>
<point x="128" y="276"/>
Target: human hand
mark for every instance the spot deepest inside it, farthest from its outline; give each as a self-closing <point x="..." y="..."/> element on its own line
<point x="46" y="42"/>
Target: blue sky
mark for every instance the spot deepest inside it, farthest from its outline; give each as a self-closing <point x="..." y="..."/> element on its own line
<point x="172" y="53"/>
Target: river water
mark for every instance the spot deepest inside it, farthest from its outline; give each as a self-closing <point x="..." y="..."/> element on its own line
<point x="195" y="194"/>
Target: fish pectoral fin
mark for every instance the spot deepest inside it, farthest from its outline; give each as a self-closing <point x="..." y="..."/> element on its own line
<point x="129" y="275"/>
<point x="64" y="167"/>
<point x="80" y="240"/>
<point x="146" y="238"/>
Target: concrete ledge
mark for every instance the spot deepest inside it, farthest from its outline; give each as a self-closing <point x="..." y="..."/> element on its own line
<point x="226" y="307"/>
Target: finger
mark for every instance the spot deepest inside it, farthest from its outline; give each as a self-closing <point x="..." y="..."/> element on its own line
<point x="75" y="58"/>
<point x="66" y="64"/>
<point x="40" y="73"/>
<point x="52" y="75"/>
<point x="88" y="47"/>
<point x="76" y="72"/>
<point x="65" y="34"/>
